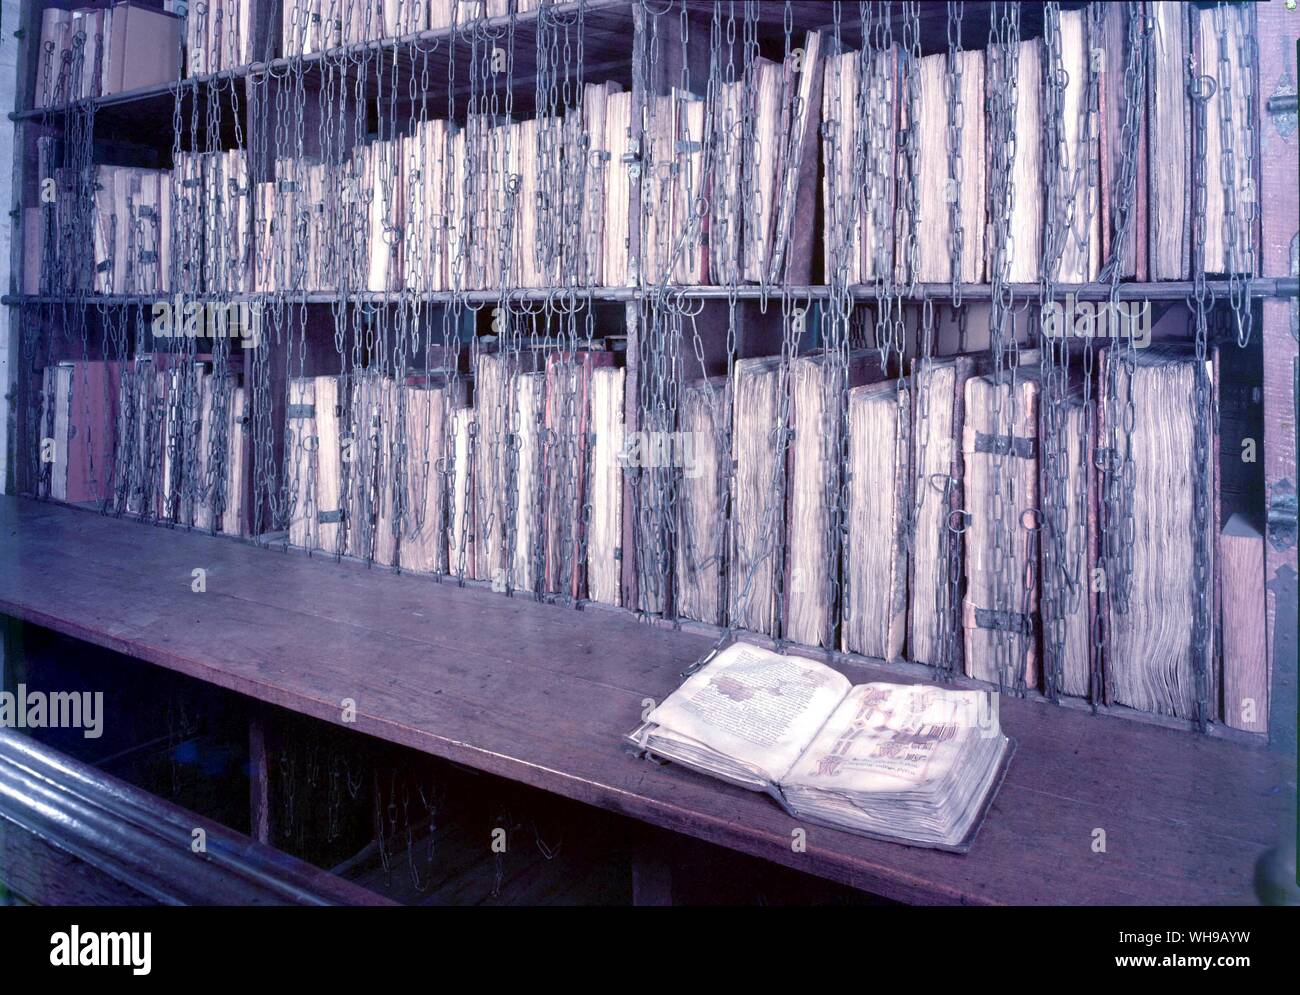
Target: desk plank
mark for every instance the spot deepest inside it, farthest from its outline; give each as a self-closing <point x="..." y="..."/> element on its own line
<point x="543" y="695"/>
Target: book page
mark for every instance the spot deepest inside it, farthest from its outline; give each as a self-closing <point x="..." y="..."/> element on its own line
<point x="891" y="737"/>
<point x="755" y="706"/>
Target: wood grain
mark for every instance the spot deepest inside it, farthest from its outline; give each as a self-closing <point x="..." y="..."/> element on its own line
<point x="542" y="695"/>
<point x="1279" y="154"/>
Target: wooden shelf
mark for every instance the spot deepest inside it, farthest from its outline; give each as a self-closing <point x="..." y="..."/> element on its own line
<point x="544" y="696"/>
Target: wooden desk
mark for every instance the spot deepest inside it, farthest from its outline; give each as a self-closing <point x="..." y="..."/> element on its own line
<point x="543" y="695"/>
<point x="73" y="835"/>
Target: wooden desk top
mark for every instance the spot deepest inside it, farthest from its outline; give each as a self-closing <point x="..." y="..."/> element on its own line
<point x="544" y="695"/>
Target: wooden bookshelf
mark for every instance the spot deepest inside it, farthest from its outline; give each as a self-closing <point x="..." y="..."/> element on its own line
<point x="1193" y="840"/>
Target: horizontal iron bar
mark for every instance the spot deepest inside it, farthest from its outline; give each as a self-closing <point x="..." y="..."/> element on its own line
<point x="1260" y="287"/>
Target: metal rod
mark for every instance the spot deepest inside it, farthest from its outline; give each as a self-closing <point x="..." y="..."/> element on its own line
<point x="1260" y="288"/>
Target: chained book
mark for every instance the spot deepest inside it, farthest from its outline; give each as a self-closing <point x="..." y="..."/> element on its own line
<point x="1162" y="440"/>
<point x="910" y="763"/>
<point x="818" y="387"/>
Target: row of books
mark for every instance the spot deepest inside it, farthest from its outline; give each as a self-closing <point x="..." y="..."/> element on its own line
<point x="156" y="437"/>
<point x="739" y="213"/>
<point x="511" y="475"/>
<point x="762" y="133"/>
<point x="545" y="202"/>
<point x="945" y="468"/>
<point x="319" y="25"/>
<point x="442" y="208"/>
<point x="533" y="203"/>
<point x="100" y="51"/>
<point x="149" y="231"/>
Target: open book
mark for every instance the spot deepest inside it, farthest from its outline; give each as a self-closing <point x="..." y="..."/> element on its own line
<point x="905" y="762"/>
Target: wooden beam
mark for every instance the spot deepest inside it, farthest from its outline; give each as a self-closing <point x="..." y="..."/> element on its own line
<point x="1279" y="151"/>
